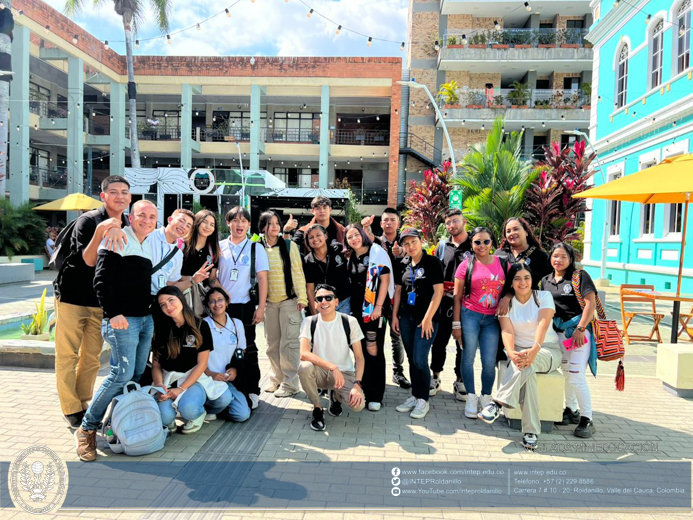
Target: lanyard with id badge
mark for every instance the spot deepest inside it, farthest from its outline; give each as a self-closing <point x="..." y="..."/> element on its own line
<point x="234" y="272"/>
<point x="411" y="297"/>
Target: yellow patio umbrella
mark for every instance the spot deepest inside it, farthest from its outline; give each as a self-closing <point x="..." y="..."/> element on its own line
<point x="73" y="202"/>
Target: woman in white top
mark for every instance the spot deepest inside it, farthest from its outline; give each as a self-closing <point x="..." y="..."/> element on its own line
<point x="532" y="348"/>
<point x="227" y="360"/>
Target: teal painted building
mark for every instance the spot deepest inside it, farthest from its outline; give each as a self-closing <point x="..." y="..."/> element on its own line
<point x="643" y="95"/>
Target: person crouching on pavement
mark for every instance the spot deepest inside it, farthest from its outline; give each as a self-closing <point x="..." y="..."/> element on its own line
<point x="325" y="359"/>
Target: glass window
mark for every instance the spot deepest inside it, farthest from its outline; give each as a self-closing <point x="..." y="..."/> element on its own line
<point x="657" y="54"/>
<point x="684" y="36"/>
<point x="675" y="224"/>
<point x="575" y="24"/>
<point x="615" y="213"/>
<point x="296" y="127"/>
<point x="648" y="219"/>
<point x="622" y="77"/>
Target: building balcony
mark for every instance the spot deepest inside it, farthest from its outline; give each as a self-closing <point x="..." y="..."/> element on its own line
<point x="511" y="10"/>
<point x="362" y="137"/>
<point x="46" y="109"/>
<point x="542" y="50"/>
<point x="292" y="135"/>
<point x="55" y="178"/>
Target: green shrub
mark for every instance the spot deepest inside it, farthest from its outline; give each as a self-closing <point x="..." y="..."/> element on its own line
<point x="22" y="231"/>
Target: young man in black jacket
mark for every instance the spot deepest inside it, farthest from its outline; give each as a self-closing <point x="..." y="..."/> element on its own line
<point x="122" y="284"/>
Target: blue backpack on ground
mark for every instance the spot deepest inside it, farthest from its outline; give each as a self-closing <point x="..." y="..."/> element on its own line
<point x="134" y="422"/>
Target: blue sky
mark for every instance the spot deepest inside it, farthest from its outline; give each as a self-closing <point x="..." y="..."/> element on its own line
<point x="260" y="28"/>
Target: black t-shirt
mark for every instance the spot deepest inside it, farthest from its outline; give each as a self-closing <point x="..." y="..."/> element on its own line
<point x="332" y="272"/>
<point x="567" y="305"/>
<point x="537" y="260"/>
<point x="187" y="358"/>
<point x="427" y="273"/>
<point x="76" y="285"/>
<point x="452" y="256"/>
<point x="195" y="260"/>
<point x="358" y="268"/>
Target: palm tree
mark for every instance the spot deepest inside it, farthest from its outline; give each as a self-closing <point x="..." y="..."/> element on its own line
<point x="5" y="47"/>
<point x="132" y="12"/>
<point x="493" y="179"/>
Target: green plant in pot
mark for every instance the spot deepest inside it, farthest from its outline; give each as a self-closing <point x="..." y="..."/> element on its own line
<point x="498" y="101"/>
<point x="36" y="330"/>
<point x="547" y="37"/>
<point x="520" y="94"/>
<point x="452" y="40"/>
<point x="448" y="93"/>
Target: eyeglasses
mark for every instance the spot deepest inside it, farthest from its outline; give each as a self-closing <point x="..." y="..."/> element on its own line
<point x="327" y="298"/>
<point x="220" y="301"/>
<point x="479" y="242"/>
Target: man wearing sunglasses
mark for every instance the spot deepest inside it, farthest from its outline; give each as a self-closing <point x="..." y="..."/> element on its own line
<point x="325" y="359"/>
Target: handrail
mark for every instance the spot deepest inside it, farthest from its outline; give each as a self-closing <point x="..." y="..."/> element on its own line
<point x="516" y="37"/>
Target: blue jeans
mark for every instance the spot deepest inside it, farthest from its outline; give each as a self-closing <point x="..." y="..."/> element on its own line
<point x="192" y="404"/>
<point x="417" y="349"/>
<point x="344" y="306"/>
<point x="129" y="354"/>
<point x="483" y="331"/>
<point x="236" y="411"/>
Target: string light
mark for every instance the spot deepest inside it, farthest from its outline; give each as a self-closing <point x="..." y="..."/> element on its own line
<point x="496" y="25"/>
<point x="464" y="39"/>
<point x="401" y="47"/>
<point x="682" y="30"/>
<point x="198" y="27"/>
<point x="75" y="39"/>
<point x="105" y="44"/>
<point x="543" y="124"/>
<point x="137" y="44"/>
<point x="649" y="17"/>
<point x="47" y="29"/>
<point x="528" y="8"/>
<point x="228" y="13"/>
<point x="339" y="29"/>
<point x="436" y="46"/>
<point x="370" y="40"/>
<point x="310" y="13"/>
<point x="168" y="39"/>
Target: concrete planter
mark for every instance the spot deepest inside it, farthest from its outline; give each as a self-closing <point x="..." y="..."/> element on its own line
<point x="452" y="106"/>
<point x="500" y="46"/>
<point x="497" y="107"/>
<point x="36" y="337"/>
<point x="475" y="106"/>
<point x="455" y="46"/>
<point x="587" y="107"/>
<point x="588" y="45"/>
<point x="521" y="46"/>
<point x="570" y="46"/>
<point x="566" y="107"/>
<point x="547" y="45"/>
<point x="519" y="106"/>
<point x="478" y="46"/>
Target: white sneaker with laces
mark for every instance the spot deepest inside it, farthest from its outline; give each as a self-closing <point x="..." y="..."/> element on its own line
<point x="435" y="386"/>
<point x="420" y="410"/>
<point x="254" y="400"/>
<point x="374" y="407"/>
<point x="459" y="390"/>
<point x="283" y="392"/>
<point x="211" y="417"/>
<point x="172" y="427"/>
<point x="471" y="409"/>
<point x="408" y="405"/>
<point x="484" y="401"/>
<point x="271" y="388"/>
<point x="195" y="425"/>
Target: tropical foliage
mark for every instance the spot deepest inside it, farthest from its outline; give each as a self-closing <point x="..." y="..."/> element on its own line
<point x="428" y="200"/>
<point x="493" y="179"/>
<point x="39" y="320"/>
<point x="549" y="204"/>
<point x="22" y="231"/>
<point x="449" y="93"/>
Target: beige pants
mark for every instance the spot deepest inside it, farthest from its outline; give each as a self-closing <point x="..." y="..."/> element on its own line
<point x="519" y="387"/>
<point x="78" y="345"/>
<point x="282" y="327"/>
<point x="313" y="377"/>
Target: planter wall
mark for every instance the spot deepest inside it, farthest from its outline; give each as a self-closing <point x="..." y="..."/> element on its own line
<point x="570" y="46"/>
<point x="455" y="46"/>
<point x="547" y="45"/>
<point x="477" y="46"/>
<point x="452" y="106"/>
<point x="500" y="46"/>
<point x="475" y="106"/>
<point x="519" y="106"/>
<point x="522" y="46"/>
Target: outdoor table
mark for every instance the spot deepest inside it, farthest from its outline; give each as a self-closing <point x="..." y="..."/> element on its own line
<point x="667" y="297"/>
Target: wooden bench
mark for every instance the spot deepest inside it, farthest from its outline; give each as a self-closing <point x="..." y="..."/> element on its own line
<point x="675" y="368"/>
<point x="551" y="388"/>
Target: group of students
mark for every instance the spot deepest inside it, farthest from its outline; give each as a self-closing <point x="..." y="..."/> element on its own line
<point x="187" y="303"/>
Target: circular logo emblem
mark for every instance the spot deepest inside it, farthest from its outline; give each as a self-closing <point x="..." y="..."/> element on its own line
<point x="567" y="289"/>
<point x="201" y="180"/>
<point x="38" y="480"/>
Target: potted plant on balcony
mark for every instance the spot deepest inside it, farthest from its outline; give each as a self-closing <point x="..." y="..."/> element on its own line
<point x="569" y="38"/>
<point x="448" y="93"/>
<point x="522" y="38"/>
<point x="586" y="93"/>
<point x="519" y="96"/>
<point x="500" y="40"/>
<point x="498" y="102"/>
<point x="557" y="99"/>
<point x="546" y="39"/>
<point x="475" y="99"/>
<point x="542" y="104"/>
<point x="479" y="40"/>
<point x="570" y="101"/>
<point x="36" y="330"/>
<point x="454" y="42"/>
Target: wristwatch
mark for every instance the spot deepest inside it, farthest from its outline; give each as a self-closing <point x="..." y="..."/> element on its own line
<point x="581" y="329"/>
<point x="358" y="382"/>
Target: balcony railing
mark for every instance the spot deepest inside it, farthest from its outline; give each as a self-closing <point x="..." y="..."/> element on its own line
<point x="222" y="134"/>
<point x="48" y="178"/>
<point x="368" y="193"/>
<point x="97" y="128"/>
<point x="516" y="38"/>
<point x="362" y="137"/>
<point x="158" y="133"/>
<point x="46" y="108"/>
<point x="293" y="135"/>
<point x="503" y="98"/>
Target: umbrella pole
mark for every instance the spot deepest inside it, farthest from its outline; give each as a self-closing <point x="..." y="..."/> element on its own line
<point x="683" y="244"/>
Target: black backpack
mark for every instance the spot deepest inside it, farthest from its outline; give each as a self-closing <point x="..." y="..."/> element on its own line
<point x="314" y="325"/>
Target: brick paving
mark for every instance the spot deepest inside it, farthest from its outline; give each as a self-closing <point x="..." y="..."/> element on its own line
<point x="644" y="412"/>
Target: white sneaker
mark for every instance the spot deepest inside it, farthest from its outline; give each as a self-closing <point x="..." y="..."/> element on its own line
<point x="420" y="410"/>
<point x="374" y="407"/>
<point x="435" y="386"/>
<point x="172" y="427"/>
<point x="254" y="400"/>
<point x="459" y="390"/>
<point x="211" y="417"/>
<point x="484" y="401"/>
<point x="194" y="426"/>
<point x="271" y="388"/>
<point x="284" y="393"/>
<point x="471" y="409"/>
<point x="408" y="405"/>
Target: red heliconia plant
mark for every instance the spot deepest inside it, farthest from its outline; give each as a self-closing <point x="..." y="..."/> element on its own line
<point x="428" y="200"/>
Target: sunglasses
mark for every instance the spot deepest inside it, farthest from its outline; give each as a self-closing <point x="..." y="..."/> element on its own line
<point x="327" y="298"/>
<point x="479" y="242"/>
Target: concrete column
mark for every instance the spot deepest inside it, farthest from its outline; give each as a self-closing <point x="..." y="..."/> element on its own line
<point x="589" y="20"/>
<point x="75" y="125"/>
<point x="257" y="144"/>
<point x="528" y="139"/>
<point x="324" y="165"/>
<point x="586" y="76"/>
<point x="531" y="79"/>
<point x="117" y="143"/>
<point x="533" y="21"/>
<point x="186" y="127"/>
<point x="18" y="141"/>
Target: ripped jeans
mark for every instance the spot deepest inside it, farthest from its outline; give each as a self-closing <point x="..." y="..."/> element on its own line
<point x="574" y="365"/>
<point x="129" y="353"/>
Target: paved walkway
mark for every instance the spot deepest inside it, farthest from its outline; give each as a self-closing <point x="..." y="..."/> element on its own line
<point x="19" y="298"/>
<point x="280" y="431"/>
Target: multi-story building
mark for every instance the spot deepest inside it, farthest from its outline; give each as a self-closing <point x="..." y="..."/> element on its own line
<point x="311" y="122"/>
<point x="527" y="62"/>
<point x="644" y="83"/>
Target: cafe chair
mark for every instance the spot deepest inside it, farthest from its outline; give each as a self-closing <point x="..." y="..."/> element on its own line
<point x="628" y="315"/>
<point x="684" y="318"/>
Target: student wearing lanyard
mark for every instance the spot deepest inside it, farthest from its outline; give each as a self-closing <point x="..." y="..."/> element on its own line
<point x="201" y="251"/>
<point x="234" y="277"/>
<point x="227" y="360"/>
<point x="415" y="316"/>
<point x="326" y="265"/>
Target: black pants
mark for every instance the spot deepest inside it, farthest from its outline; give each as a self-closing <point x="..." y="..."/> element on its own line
<point x="397" y="349"/>
<point x="374" y="370"/>
<point x="251" y="380"/>
<point x="439" y="348"/>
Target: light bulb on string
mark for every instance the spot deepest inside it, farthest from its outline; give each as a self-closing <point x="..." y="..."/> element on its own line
<point x="682" y="30"/>
<point x="528" y="8"/>
<point x="436" y="46"/>
<point x="137" y="44"/>
<point x="105" y="44"/>
<point x="228" y="13"/>
<point x="47" y="29"/>
<point x="649" y="17"/>
<point x="198" y="27"/>
<point x="464" y="39"/>
<point x="75" y="39"/>
<point x="168" y="39"/>
<point x="339" y="29"/>
<point x="401" y="47"/>
<point x="310" y="13"/>
<point x="496" y="25"/>
<point x="370" y="40"/>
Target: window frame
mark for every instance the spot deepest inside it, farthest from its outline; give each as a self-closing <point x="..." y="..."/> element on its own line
<point x="656" y="57"/>
<point x="684" y="14"/>
<point x="622" y="76"/>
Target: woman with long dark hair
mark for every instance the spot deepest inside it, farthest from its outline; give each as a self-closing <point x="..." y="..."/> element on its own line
<point x="572" y="322"/>
<point x="326" y="265"/>
<point x="286" y="298"/>
<point x="202" y="250"/>
<point x="532" y="348"/>
<point x="227" y="359"/>
<point x="181" y="347"/>
<point x="372" y="282"/>
<point x="520" y="246"/>
<point x="478" y="283"/>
